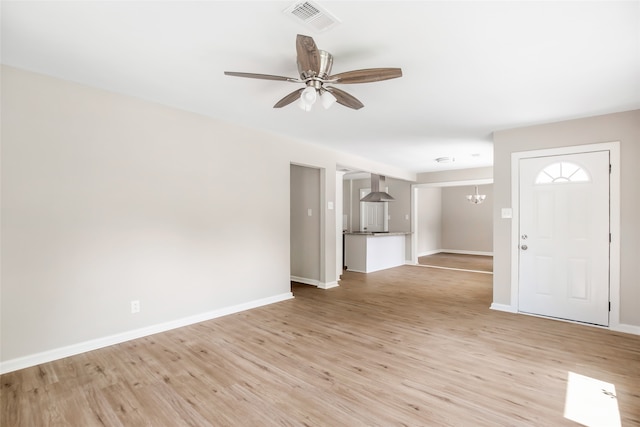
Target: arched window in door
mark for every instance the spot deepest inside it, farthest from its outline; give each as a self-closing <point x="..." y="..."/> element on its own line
<point x="562" y="172"/>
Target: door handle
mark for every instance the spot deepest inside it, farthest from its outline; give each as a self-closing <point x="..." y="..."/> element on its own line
<point x="524" y="247"/>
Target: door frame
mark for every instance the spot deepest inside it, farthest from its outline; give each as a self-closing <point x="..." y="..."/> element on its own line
<point x="614" y="219"/>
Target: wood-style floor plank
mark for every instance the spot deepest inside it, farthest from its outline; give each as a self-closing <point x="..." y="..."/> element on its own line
<point x="458" y="261"/>
<point x="407" y="346"/>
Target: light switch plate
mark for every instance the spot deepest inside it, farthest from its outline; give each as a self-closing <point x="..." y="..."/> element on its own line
<point x="506" y="213"/>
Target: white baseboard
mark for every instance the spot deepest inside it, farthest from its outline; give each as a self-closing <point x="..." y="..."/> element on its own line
<point x="627" y="329"/>
<point x="456" y="251"/>
<point x="305" y="281"/>
<point x="313" y="282"/>
<point x="503" y="307"/>
<point x="71" y="350"/>
<point x="328" y="285"/>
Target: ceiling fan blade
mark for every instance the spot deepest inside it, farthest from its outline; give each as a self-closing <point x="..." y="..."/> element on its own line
<point x="366" y="76"/>
<point x="293" y="96"/>
<point x="308" y="56"/>
<point x="261" y="76"/>
<point x="344" y="98"/>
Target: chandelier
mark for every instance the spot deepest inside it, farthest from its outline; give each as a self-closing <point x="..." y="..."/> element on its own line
<point x="476" y="198"/>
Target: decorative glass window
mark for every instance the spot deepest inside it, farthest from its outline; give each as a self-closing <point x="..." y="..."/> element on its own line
<point x="562" y="172"/>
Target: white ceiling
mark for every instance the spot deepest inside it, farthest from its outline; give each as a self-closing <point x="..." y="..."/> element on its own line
<point x="469" y="67"/>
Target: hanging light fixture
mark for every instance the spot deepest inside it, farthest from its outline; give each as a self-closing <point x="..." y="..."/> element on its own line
<point x="476" y="198"/>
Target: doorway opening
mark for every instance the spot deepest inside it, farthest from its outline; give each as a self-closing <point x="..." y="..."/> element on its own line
<point x="465" y="236"/>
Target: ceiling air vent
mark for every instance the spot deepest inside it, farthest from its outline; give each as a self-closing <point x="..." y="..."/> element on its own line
<point x="312" y="15"/>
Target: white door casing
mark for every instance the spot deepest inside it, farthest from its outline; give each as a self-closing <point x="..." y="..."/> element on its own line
<point x="564" y="228"/>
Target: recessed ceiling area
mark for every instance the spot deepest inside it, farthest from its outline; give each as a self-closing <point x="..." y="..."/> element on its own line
<point x="469" y="68"/>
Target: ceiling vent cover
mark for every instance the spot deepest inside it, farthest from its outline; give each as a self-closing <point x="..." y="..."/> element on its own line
<point x="312" y="15"/>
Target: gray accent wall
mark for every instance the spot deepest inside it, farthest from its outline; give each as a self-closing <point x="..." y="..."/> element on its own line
<point x="305" y="224"/>
<point x="467" y="227"/>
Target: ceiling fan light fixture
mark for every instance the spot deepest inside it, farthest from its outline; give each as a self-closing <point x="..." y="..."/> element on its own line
<point x="327" y="99"/>
<point x="308" y="97"/>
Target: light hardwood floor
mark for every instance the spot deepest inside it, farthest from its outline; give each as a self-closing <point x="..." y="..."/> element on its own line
<point x="408" y="346"/>
<point x="460" y="261"/>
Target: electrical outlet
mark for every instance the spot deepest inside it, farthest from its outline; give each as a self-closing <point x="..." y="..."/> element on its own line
<point x="135" y="306"/>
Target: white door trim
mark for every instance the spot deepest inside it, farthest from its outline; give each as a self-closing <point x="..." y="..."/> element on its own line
<point x="614" y="224"/>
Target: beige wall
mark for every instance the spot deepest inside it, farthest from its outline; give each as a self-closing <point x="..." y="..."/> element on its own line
<point x="623" y="127"/>
<point x="467" y="227"/>
<point x="400" y="208"/>
<point x="305" y="228"/>
<point x="429" y="221"/>
<point x="108" y="199"/>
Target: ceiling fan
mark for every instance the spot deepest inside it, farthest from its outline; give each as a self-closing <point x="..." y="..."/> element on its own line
<point x="314" y="66"/>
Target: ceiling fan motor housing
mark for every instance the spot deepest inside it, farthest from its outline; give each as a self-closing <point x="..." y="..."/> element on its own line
<point x="324" y="68"/>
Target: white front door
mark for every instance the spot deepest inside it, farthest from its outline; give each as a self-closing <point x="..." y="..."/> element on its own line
<point x="373" y="215"/>
<point x="564" y="237"/>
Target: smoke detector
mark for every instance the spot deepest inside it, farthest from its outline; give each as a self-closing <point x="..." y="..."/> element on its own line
<point x="312" y="15"/>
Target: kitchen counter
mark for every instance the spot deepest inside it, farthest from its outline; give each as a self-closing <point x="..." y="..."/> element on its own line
<point x="369" y="251"/>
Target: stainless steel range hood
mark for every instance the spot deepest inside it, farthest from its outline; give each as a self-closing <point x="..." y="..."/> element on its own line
<point x="377" y="194"/>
